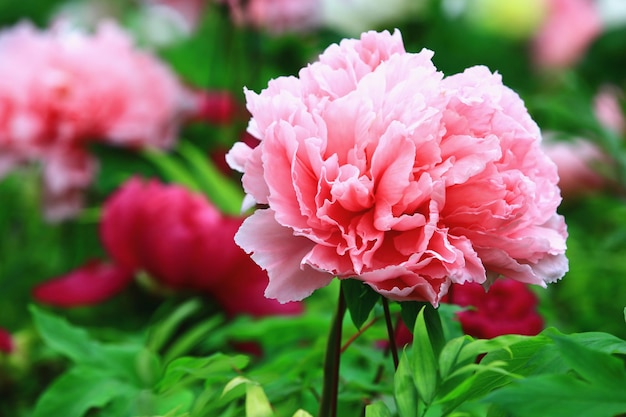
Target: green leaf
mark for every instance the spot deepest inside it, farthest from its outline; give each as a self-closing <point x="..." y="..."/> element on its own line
<point x="176" y="403"/>
<point x="559" y="396"/>
<point x="257" y="404"/>
<point x="377" y="409"/>
<point x="160" y="333"/>
<point x="301" y="413"/>
<point x="185" y="342"/>
<point x="215" y="367"/>
<point x="72" y="342"/>
<point x="360" y="300"/>
<point x="516" y="356"/>
<point x="226" y="194"/>
<point x="594" y="366"/>
<point x="405" y="393"/>
<point x="424" y="362"/>
<point x="171" y="169"/>
<point x="79" y="390"/>
<point x="409" y="312"/>
<point x="449" y="355"/>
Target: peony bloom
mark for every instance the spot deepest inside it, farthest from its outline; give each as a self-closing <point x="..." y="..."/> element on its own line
<point x="63" y="89"/>
<point x="277" y="16"/>
<point x="575" y="162"/>
<point x="568" y="30"/>
<point x="608" y="109"/>
<point x="509" y="307"/>
<point x="180" y="240"/>
<point x="372" y="164"/>
<point x="6" y="341"/>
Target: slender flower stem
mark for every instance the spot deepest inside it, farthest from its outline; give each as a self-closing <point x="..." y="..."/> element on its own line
<point x="357" y="334"/>
<point x="391" y="334"/>
<point x="328" y="403"/>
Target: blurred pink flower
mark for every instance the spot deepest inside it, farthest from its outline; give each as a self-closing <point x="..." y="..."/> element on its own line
<point x="509" y="307"/>
<point x="180" y="240"/>
<point x="575" y="162"/>
<point x="6" y="341"/>
<point x="373" y="165"/>
<point x="277" y="16"/>
<point x="62" y="89"/>
<point x="608" y="108"/>
<point x="568" y="30"/>
<point x="92" y="283"/>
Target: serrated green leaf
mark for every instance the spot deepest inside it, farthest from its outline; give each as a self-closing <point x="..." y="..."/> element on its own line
<point x="257" y="404"/>
<point x="360" y="300"/>
<point x="424" y="363"/>
<point x="78" y="390"/>
<point x="559" y="396"/>
<point x="405" y="393"/>
<point x="377" y="409"/>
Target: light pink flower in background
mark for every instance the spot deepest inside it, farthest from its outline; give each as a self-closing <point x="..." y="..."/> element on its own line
<point x="373" y="165"/>
<point x="277" y="16"/>
<point x="61" y="89"/>
<point x="575" y="160"/>
<point x="608" y="109"/>
<point x="190" y="10"/>
<point x="568" y="30"/>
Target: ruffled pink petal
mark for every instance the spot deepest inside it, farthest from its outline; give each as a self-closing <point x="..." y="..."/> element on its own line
<point x="275" y="249"/>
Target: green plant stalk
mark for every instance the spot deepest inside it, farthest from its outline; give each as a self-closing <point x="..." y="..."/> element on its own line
<point x="328" y="403"/>
<point x="391" y="334"/>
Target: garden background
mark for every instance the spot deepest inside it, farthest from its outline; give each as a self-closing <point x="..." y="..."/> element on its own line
<point x="157" y="341"/>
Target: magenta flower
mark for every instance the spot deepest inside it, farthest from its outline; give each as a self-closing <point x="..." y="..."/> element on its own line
<point x="180" y="240"/>
<point x="6" y="341"/>
<point x="62" y="89"/>
<point x="509" y="307"/>
<point x="372" y="164"/>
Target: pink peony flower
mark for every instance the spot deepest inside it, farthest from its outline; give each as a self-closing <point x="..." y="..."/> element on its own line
<point x="181" y="240"/>
<point x="509" y="307"/>
<point x="608" y="108"/>
<point x="575" y="161"/>
<point x="62" y="89"/>
<point x="568" y="30"/>
<point x="6" y="341"/>
<point x="277" y="15"/>
<point x="373" y="165"/>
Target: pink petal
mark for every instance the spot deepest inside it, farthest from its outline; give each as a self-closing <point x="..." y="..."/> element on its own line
<point x="92" y="283"/>
<point x="276" y="249"/>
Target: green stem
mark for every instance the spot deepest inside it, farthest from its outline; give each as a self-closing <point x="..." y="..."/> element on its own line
<point x="328" y="403"/>
<point x="391" y="334"/>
